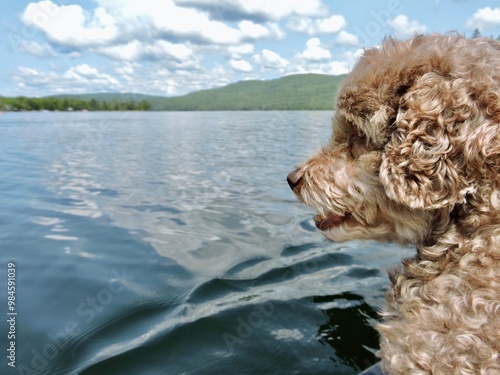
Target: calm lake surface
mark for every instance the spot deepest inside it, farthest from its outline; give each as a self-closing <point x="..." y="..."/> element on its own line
<point x="170" y="243"/>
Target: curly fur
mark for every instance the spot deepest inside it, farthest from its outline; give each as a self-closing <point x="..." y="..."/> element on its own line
<point x="414" y="158"/>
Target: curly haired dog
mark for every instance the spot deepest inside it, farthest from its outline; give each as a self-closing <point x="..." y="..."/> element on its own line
<point x="414" y="158"/>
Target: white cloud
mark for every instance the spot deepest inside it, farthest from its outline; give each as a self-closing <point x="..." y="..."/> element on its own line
<point x="126" y="69"/>
<point x="279" y="9"/>
<point x="145" y="77"/>
<point x="236" y="52"/>
<point x="168" y="47"/>
<point x="314" y="51"/>
<point x="240" y="65"/>
<point x="27" y="72"/>
<point x="309" y="26"/>
<point x="331" y="25"/>
<point x="84" y="70"/>
<point x="168" y="18"/>
<point x="341" y="65"/>
<point x="301" y="25"/>
<point x="271" y="60"/>
<point x="118" y="24"/>
<point x="157" y="50"/>
<point x="352" y="57"/>
<point x="85" y="74"/>
<point x="35" y="49"/>
<point x="126" y="72"/>
<point x="484" y="19"/>
<point x="253" y="30"/>
<point x="259" y="9"/>
<point x="337" y="67"/>
<point x="404" y="28"/>
<point x="76" y="79"/>
<point x="276" y="31"/>
<point x="346" y="39"/>
<point x="68" y="25"/>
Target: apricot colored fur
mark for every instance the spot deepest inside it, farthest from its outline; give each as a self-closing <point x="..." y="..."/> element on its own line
<point x="414" y="158"/>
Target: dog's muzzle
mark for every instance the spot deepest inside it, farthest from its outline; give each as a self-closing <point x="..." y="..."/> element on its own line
<point x="323" y="222"/>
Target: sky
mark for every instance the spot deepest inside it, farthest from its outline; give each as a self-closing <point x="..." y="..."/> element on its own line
<point x="172" y="47"/>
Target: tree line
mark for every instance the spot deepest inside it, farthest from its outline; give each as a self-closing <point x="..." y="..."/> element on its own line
<point x="23" y="103"/>
<point x="477" y="34"/>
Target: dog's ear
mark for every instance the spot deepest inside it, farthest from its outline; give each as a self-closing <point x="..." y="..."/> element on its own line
<point x="423" y="165"/>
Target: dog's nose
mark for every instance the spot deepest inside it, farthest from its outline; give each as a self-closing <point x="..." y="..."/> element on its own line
<point x="294" y="178"/>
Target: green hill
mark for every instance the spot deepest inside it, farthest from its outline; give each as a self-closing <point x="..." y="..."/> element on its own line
<point x="109" y="96"/>
<point x="295" y="92"/>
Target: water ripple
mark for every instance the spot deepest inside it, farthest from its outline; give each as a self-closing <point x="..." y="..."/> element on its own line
<point x="226" y="270"/>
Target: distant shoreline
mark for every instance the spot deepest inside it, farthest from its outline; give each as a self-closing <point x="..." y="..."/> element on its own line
<point x="178" y="110"/>
<point x="300" y="92"/>
<point x="51" y="104"/>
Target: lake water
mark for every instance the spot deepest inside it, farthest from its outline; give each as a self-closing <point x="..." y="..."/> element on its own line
<point x="170" y="243"/>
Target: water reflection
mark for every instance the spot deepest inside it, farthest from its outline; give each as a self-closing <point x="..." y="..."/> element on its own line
<point x="349" y="329"/>
<point x="196" y="209"/>
<point x="188" y="183"/>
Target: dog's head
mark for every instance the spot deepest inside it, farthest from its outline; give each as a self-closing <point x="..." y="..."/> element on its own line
<point x="415" y="143"/>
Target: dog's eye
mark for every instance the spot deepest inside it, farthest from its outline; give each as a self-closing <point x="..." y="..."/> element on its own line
<point x="356" y="139"/>
<point x="357" y="144"/>
<point x="352" y="140"/>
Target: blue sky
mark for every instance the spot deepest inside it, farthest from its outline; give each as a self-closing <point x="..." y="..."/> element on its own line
<point x="171" y="47"/>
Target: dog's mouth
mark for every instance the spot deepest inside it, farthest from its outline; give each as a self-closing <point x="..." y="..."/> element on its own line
<point x="330" y="221"/>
